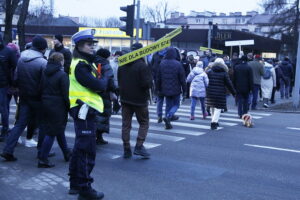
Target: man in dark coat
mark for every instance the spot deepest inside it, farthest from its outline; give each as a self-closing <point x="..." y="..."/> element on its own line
<point x="8" y="62"/>
<point x="216" y="90"/>
<point x="59" y="47"/>
<point x="287" y="76"/>
<point x="135" y="81"/>
<point x="243" y="83"/>
<point x="171" y="83"/>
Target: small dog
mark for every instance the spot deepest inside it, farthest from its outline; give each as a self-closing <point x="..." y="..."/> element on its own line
<point x="247" y="120"/>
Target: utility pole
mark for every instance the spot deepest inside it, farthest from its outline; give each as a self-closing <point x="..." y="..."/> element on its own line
<point x="209" y="34"/>
<point x="297" y="75"/>
<point x="138" y="21"/>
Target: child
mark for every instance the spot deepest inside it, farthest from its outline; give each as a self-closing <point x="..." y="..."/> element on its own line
<point x="199" y="82"/>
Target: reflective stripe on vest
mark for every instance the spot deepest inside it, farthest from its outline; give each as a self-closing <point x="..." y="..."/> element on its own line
<point x="77" y="91"/>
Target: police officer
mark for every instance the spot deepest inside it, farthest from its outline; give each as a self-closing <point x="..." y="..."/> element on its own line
<point x="85" y="102"/>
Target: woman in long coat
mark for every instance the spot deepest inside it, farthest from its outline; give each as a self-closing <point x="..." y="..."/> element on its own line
<point x="268" y="82"/>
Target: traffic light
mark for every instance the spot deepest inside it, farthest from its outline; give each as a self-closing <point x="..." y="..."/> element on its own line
<point x="129" y="20"/>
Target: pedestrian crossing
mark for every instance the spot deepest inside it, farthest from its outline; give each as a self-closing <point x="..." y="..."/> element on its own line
<point x="157" y="136"/>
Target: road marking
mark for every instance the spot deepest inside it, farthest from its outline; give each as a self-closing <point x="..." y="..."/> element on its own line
<point x="293" y="128"/>
<point x="273" y="148"/>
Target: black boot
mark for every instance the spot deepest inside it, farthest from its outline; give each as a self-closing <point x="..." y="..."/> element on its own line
<point x="213" y="126"/>
<point x="100" y="139"/>
<point x="90" y="195"/>
<point x="67" y="155"/>
<point x="8" y="157"/>
<point x="159" y="120"/>
<point x="168" y="124"/>
<point x="127" y="153"/>
<point x="141" y="151"/>
<point x="45" y="164"/>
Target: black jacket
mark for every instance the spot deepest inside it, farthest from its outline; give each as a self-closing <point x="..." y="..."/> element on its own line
<point x="243" y="78"/>
<point x="8" y="62"/>
<point x="287" y="70"/>
<point x="55" y="99"/>
<point x="67" y="56"/>
<point x="135" y="80"/>
<point x="216" y="90"/>
<point x="171" y="77"/>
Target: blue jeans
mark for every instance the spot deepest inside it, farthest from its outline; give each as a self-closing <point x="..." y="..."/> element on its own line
<point x="172" y="105"/>
<point x="26" y="110"/>
<point x="255" y="91"/>
<point x="4" y="110"/>
<point x="194" y="103"/>
<point x="243" y="104"/>
<point x="284" y="88"/>
<point x="159" y="106"/>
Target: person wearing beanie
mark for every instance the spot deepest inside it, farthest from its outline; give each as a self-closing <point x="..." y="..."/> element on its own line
<point x="108" y="96"/>
<point x="216" y="91"/>
<point x="86" y="86"/>
<point x="135" y="81"/>
<point x="29" y="74"/>
<point x="243" y="83"/>
<point x="59" y="48"/>
<point x="8" y="62"/>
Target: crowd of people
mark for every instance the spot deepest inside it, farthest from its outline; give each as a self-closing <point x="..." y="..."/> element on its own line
<point x="89" y="86"/>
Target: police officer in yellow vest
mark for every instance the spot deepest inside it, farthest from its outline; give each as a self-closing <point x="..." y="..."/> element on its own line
<point x="85" y="102"/>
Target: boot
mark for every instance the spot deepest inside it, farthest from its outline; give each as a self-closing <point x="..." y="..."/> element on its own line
<point x="213" y="126"/>
<point x="8" y="157"/>
<point x="100" y="139"/>
<point x="168" y="124"/>
<point x="45" y="164"/>
<point x="127" y="153"/>
<point x="159" y="120"/>
<point x="90" y="195"/>
<point x="174" y="118"/>
<point x="141" y="151"/>
<point x="67" y="155"/>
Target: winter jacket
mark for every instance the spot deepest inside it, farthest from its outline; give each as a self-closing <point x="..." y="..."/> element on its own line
<point x="107" y="72"/>
<point x="55" y="99"/>
<point x="268" y="84"/>
<point x="29" y="73"/>
<point x="67" y="56"/>
<point x="199" y="82"/>
<point x="218" y="81"/>
<point x="8" y="62"/>
<point x="135" y="80"/>
<point x="186" y="66"/>
<point x="171" y="77"/>
<point x="243" y="79"/>
<point x="287" y="70"/>
<point x="257" y="70"/>
<point x="115" y="65"/>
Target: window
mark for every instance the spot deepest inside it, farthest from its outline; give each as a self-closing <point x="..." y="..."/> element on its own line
<point x="238" y="21"/>
<point x="257" y="30"/>
<point x="224" y="21"/>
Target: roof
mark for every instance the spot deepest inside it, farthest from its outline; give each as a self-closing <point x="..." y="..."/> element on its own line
<point x="179" y="20"/>
<point x="261" y="19"/>
<point x="50" y="21"/>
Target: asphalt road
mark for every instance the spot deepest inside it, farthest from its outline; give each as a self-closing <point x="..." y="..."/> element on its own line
<point x="189" y="162"/>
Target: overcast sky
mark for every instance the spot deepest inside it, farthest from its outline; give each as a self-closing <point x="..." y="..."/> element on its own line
<point x="108" y="8"/>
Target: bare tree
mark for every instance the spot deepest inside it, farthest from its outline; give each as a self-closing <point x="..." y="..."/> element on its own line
<point x="21" y="24"/>
<point x="10" y="8"/>
<point x="158" y="13"/>
<point x="112" y="22"/>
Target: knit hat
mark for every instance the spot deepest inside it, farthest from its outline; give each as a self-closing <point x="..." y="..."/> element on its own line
<point x="220" y="60"/>
<point x="136" y="46"/>
<point x="59" y="38"/>
<point x="104" y="53"/>
<point x="39" y="43"/>
<point x="199" y="64"/>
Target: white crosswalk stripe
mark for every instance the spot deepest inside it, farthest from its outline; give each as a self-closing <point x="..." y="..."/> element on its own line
<point x="157" y="135"/>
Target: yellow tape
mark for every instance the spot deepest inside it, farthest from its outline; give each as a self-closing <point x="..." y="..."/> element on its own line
<point x="213" y="50"/>
<point x="140" y="53"/>
<point x="162" y="43"/>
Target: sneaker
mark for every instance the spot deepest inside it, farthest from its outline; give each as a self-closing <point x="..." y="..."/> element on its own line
<point x="213" y="126"/>
<point x="141" y="151"/>
<point x="174" y="118"/>
<point x="45" y="164"/>
<point x="127" y="153"/>
<point x="266" y="105"/>
<point x="20" y="140"/>
<point x="168" y="124"/>
<point x="159" y="120"/>
<point x="30" y="143"/>
<point x="8" y="157"/>
<point x="192" y="118"/>
<point x="90" y="195"/>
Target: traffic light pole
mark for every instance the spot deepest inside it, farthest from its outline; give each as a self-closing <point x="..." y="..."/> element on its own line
<point x="138" y="21"/>
<point x="297" y="78"/>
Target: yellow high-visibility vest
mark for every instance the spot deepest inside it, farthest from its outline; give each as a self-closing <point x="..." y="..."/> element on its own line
<point x="77" y="91"/>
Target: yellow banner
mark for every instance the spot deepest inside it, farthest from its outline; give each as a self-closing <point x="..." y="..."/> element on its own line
<point x="213" y="50"/>
<point x="140" y="53"/>
<point x="172" y="34"/>
<point x="111" y="32"/>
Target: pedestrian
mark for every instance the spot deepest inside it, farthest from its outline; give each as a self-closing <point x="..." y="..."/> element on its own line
<point x="115" y="65"/>
<point x="29" y="74"/>
<point x="135" y="81"/>
<point x="268" y="82"/>
<point x="258" y="71"/>
<point x="171" y="83"/>
<point x="55" y="107"/>
<point x="216" y="90"/>
<point x="59" y="47"/>
<point x="85" y="103"/>
<point x="199" y="82"/>
<point x="243" y="83"/>
<point x="278" y="73"/>
<point x="8" y="62"/>
<point x="102" y="56"/>
<point x="286" y="78"/>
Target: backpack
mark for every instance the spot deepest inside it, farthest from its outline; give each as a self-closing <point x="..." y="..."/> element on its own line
<point x="267" y="73"/>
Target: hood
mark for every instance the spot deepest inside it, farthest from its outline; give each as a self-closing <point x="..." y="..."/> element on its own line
<point x="197" y="70"/>
<point x="285" y="62"/>
<point x="162" y="53"/>
<point x="30" y="55"/>
<point x="171" y="54"/>
<point x="219" y="67"/>
<point x="101" y="60"/>
<point x="52" y="68"/>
